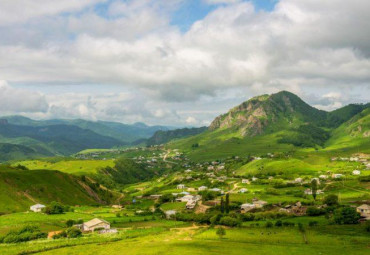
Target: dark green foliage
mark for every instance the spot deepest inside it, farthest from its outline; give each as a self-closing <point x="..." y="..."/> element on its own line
<point x="313" y="223"/>
<point x="365" y="178"/>
<point x="208" y="195"/>
<point x="125" y="171"/>
<point x="166" y="198"/>
<point x="278" y="223"/>
<point x="25" y="234"/>
<point x="227" y="203"/>
<point x="221" y="232"/>
<point x="55" y="208"/>
<point x="301" y="227"/>
<point x="346" y="215"/>
<point x="73" y="233"/>
<point x="161" y="137"/>
<point x="314" y="188"/>
<point x="269" y="224"/>
<point x="306" y="136"/>
<point x="70" y="223"/>
<point x="341" y="115"/>
<point x="229" y="221"/>
<point x="331" y="200"/>
<point x="222" y="205"/>
<point x="313" y="211"/>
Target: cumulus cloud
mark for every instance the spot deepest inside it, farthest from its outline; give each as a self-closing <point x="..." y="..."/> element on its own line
<point x="20" y="100"/>
<point x="302" y="46"/>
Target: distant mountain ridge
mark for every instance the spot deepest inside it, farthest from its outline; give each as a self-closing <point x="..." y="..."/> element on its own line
<point x="161" y="137"/>
<point x="279" y="122"/>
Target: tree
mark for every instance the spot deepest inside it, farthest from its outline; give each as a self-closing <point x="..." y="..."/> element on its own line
<point x="331" y="200"/>
<point x="54" y="208"/>
<point x="227" y="203"/>
<point x="314" y="188"/>
<point x="346" y="215"/>
<point x="221" y="232"/>
<point x="222" y="205"/>
<point x="69" y="223"/>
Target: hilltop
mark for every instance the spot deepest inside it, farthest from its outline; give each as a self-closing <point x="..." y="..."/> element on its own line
<point x="268" y="123"/>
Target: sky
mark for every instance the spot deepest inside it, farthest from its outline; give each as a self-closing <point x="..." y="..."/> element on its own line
<point x="178" y="62"/>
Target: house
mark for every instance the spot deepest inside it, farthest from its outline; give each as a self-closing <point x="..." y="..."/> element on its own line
<point x="254" y="179"/>
<point x="243" y="190"/>
<point x="191" y="204"/>
<point x="298" y="180"/>
<point x="217" y="190"/>
<point x="95" y="224"/>
<point x="309" y="192"/>
<point x="188" y="171"/>
<point x="337" y="176"/>
<point x="323" y="176"/>
<point x="245" y="181"/>
<point x="364" y="210"/>
<point x="181" y="186"/>
<point x="259" y="203"/>
<point x="170" y="214"/>
<point x="202" y="188"/>
<point x="185" y="198"/>
<point x="117" y="206"/>
<point x="210" y="168"/>
<point x="356" y="172"/>
<point x="247" y="207"/>
<point x="37" y="207"/>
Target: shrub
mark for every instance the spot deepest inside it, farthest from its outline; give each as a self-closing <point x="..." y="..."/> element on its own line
<point x="221" y="232"/>
<point x="301" y="228"/>
<point x="346" y="215"/>
<point x="312" y="223"/>
<point x="54" y="208"/>
<point x="331" y="200"/>
<point x="278" y="223"/>
<point x="70" y="223"/>
<point x="229" y="221"/>
<point x="73" y="233"/>
<point x="269" y="224"/>
<point x="25" y="234"/>
<point x="313" y="211"/>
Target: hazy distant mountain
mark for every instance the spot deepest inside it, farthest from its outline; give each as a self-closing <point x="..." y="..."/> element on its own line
<point x="123" y="132"/>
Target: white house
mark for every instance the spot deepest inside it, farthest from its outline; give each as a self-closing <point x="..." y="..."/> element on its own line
<point x="254" y="179"/>
<point x="245" y="181"/>
<point x="323" y="176"/>
<point x="337" y="176"/>
<point x="247" y="207"/>
<point x="217" y="190"/>
<point x="188" y="171"/>
<point x="202" y="188"/>
<point x="170" y="213"/>
<point x="181" y="186"/>
<point x="356" y="172"/>
<point x="243" y="190"/>
<point x="298" y="180"/>
<point x="95" y="224"/>
<point x="37" y="207"/>
<point x="259" y="203"/>
<point x="364" y="210"/>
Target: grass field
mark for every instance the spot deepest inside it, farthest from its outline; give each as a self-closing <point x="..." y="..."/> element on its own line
<point x="193" y="240"/>
<point x="77" y="167"/>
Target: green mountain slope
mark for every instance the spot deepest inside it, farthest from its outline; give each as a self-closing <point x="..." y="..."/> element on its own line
<point x="21" y="188"/>
<point x="268" y="123"/>
<point x="161" y="137"/>
<point x="353" y="134"/>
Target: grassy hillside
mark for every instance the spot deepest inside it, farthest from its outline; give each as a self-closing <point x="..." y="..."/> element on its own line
<point x="161" y="137"/>
<point x="76" y="167"/>
<point x="353" y="135"/>
<point x="20" y="189"/>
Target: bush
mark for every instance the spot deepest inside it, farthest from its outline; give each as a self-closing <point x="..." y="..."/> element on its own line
<point x="346" y="215"/>
<point x="25" y="234"/>
<point x="312" y="223"/>
<point x="54" y="208"/>
<point x="229" y="221"/>
<point x="70" y="223"/>
<point x="288" y="224"/>
<point x="73" y="233"/>
<point x="313" y="211"/>
<point x="269" y="224"/>
<point x="301" y="228"/>
<point x="278" y="223"/>
<point x="221" y="232"/>
<point x="331" y="200"/>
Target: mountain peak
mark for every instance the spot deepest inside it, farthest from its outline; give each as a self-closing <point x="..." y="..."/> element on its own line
<point x="254" y="116"/>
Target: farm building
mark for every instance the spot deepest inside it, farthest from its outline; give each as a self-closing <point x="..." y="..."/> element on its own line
<point x="181" y="186"/>
<point x="356" y="172"/>
<point x="245" y="181"/>
<point x="169" y="214"/>
<point x="95" y="224"/>
<point x="247" y="207"/>
<point x="37" y="207"/>
<point x="364" y="210"/>
<point x="202" y="188"/>
<point x="243" y="190"/>
<point x="259" y="203"/>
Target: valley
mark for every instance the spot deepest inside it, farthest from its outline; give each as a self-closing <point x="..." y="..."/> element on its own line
<point x="274" y="175"/>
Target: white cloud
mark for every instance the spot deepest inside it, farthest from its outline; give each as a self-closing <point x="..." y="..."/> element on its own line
<point x="20" y="100"/>
<point x="301" y="46"/>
